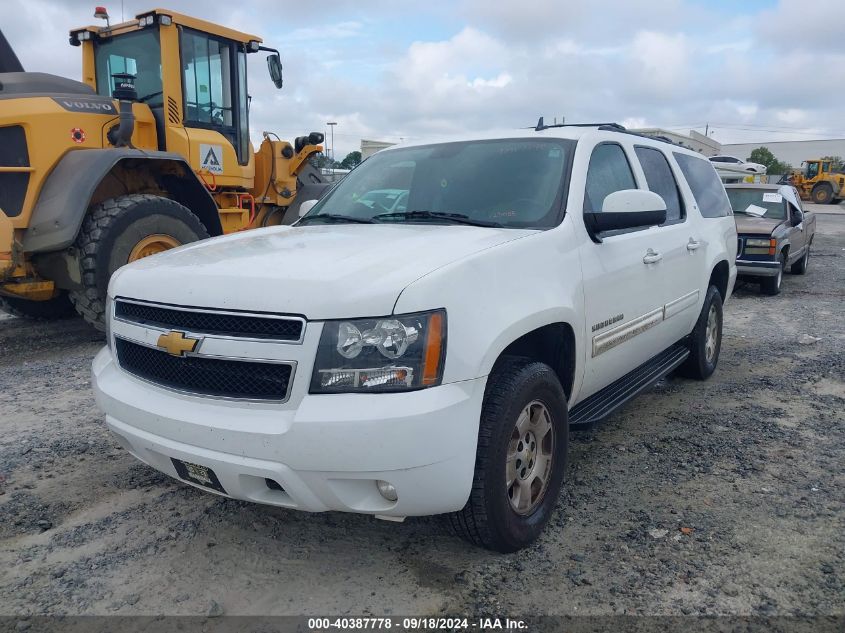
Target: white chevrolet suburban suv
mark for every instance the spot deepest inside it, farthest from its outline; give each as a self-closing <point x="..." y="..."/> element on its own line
<point x="429" y="356"/>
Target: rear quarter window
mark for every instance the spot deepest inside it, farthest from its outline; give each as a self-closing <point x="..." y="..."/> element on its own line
<point x="707" y="189"/>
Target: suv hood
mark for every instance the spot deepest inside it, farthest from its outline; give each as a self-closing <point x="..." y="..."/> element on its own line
<point x="321" y="272"/>
<point x="749" y="225"/>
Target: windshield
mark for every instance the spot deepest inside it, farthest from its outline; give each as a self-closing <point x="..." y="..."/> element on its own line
<point x="514" y="183"/>
<point x="757" y="202"/>
<point x="136" y="53"/>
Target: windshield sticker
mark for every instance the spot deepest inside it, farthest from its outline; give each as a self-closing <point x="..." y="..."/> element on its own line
<point x="211" y="158"/>
<point x="443" y="183"/>
<point x="772" y="197"/>
<point x="753" y="209"/>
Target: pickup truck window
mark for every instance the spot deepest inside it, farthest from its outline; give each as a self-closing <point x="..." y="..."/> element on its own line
<point x="514" y="183"/>
<point x="750" y="201"/>
<point x="661" y="180"/>
<point x="608" y="171"/>
<point x="706" y="187"/>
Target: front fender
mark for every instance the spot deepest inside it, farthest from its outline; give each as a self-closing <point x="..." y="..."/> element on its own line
<point x="68" y="190"/>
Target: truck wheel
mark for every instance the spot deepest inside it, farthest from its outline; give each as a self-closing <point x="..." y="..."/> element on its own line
<point x="771" y="285"/>
<point x="705" y="342"/>
<point x="800" y="267"/>
<point x="822" y="194"/>
<point x="59" y="307"/>
<point x="520" y="462"/>
<point x="121" y="230"/>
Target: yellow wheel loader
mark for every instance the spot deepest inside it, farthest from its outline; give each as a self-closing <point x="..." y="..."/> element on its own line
<point x="149" y="151"/>
<point x="818" y="182"/>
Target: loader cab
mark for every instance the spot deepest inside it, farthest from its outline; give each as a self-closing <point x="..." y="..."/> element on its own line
<point x="812" y="169"/>
<point x="193" y="76"/>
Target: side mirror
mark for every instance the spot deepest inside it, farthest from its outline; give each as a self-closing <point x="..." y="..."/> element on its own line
<point x="274" y="65"/>
<point x="626" y="209"/>
<point x="306" y="206"/>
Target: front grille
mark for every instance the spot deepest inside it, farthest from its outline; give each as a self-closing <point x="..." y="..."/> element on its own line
<point x="210" y="322"/>
<point x="206" y="376"/>
<point x="13" y="185"/>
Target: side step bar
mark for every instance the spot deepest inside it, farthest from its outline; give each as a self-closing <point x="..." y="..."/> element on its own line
<point x="602" y="403"/>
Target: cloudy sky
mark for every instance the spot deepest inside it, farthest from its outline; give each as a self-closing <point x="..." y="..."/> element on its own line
<point x="755" y="70"/>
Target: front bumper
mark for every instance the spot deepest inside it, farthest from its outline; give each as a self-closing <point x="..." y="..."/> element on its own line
<point x="326" y="453"/>
<point x="749" y="268"/>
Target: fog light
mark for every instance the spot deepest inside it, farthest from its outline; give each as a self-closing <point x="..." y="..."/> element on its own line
<point x="387" y="490"/>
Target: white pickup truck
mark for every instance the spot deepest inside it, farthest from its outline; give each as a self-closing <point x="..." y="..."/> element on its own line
<point x="430" y="357"/>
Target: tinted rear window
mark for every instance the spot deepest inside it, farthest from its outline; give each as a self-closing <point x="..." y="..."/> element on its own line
<point x="661" y="180"/>
<point x="706" y="187"/>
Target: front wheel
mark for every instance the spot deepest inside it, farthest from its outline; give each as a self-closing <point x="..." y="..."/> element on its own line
<point x="800" y="267"/>
<point x="705" y="342"/>
<point x="771" y="285"/>
<point x="122" y="230"/>
<point x="520" y="462"/>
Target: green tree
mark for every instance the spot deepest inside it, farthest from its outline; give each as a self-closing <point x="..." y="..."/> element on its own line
<point x="321" y="161"/>
<point x="352" y="160"/>
<point x="764" y="156"/>
<point x="836" y="163"/>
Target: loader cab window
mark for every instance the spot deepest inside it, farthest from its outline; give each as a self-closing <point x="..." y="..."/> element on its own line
<point x="137" y="53"/>
<point x="214" y="87"/>
<point x="812" y="170"/>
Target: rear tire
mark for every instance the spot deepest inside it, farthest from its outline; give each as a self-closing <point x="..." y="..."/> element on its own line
<point x="800" y="267"/>
<point x="120" y="230"/>
<point x="59" y="307"/>
<point x="771" y="285"/>
<point x="523" y="440"/>
<point x="705" y="342"/>
<point x="822" y="194"/>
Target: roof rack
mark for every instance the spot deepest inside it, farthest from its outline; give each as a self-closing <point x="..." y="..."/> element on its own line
<point x="606" y="127"/>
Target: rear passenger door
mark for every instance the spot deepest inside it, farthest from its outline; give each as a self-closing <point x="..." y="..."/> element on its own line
<point x="679" y="244"/>
<point x="622" y="281"/>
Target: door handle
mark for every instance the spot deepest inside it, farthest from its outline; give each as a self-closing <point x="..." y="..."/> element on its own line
<point x="651" y="257"/>
<point x="692" y="245"/>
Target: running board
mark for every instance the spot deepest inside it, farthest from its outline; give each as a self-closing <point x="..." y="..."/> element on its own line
<point x="604" y="402"/>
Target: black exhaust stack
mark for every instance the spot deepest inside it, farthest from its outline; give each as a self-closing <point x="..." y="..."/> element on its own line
<point x="9" y="62"/>
<point x="124" y="91"/>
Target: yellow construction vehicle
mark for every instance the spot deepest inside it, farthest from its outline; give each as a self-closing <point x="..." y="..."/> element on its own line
<point x="150" y="151"/>
<point x="818" y="183"/>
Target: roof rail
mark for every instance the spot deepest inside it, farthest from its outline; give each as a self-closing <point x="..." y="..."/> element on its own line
<point x="607" y="127"/>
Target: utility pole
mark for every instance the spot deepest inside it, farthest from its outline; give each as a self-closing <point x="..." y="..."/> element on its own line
<point x="331" y="125"/>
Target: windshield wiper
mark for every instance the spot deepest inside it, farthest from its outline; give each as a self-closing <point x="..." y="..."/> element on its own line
<point x="457" y="218"/>
<point x="337" y="218"/>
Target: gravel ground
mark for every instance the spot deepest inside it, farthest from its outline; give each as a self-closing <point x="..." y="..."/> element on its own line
<point x="723" y="497"/>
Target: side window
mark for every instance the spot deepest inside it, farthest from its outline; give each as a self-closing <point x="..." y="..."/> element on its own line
<point x="207" y="64"/>
<point x="660" y="180"/>
<point x="708" y="190"/>
<point x="718" y="159"/>
<point x="608" y="171"/>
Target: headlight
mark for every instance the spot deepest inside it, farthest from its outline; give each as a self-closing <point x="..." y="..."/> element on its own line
<point x="754" y="243"/>
<point x="395" y="353"/>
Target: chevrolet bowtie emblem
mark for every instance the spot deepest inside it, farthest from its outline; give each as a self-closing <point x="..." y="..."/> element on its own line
<point x="176" y="343"/>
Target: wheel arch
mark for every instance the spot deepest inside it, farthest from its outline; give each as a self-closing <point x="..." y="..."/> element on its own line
<point x="553" y="344"/>
<point x="720" y="277"/>
<point x="86" y="177"/>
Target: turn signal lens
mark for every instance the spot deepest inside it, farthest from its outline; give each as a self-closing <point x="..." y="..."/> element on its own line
<point x="433" y="350"/>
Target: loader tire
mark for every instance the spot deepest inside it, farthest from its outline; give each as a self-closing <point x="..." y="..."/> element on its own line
<point x="822" y="194"/>
<point x="123" y="229"/>
<point x="59" y="307"/>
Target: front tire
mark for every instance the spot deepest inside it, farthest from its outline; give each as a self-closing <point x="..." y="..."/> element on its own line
<point x="59" y="307"/>
<point x="705" y="342"/>
<point x="523" y="441"/>
<point x="800" y="267"/>
<point x="120" y="230"/>
<point x="771" y="285"/>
